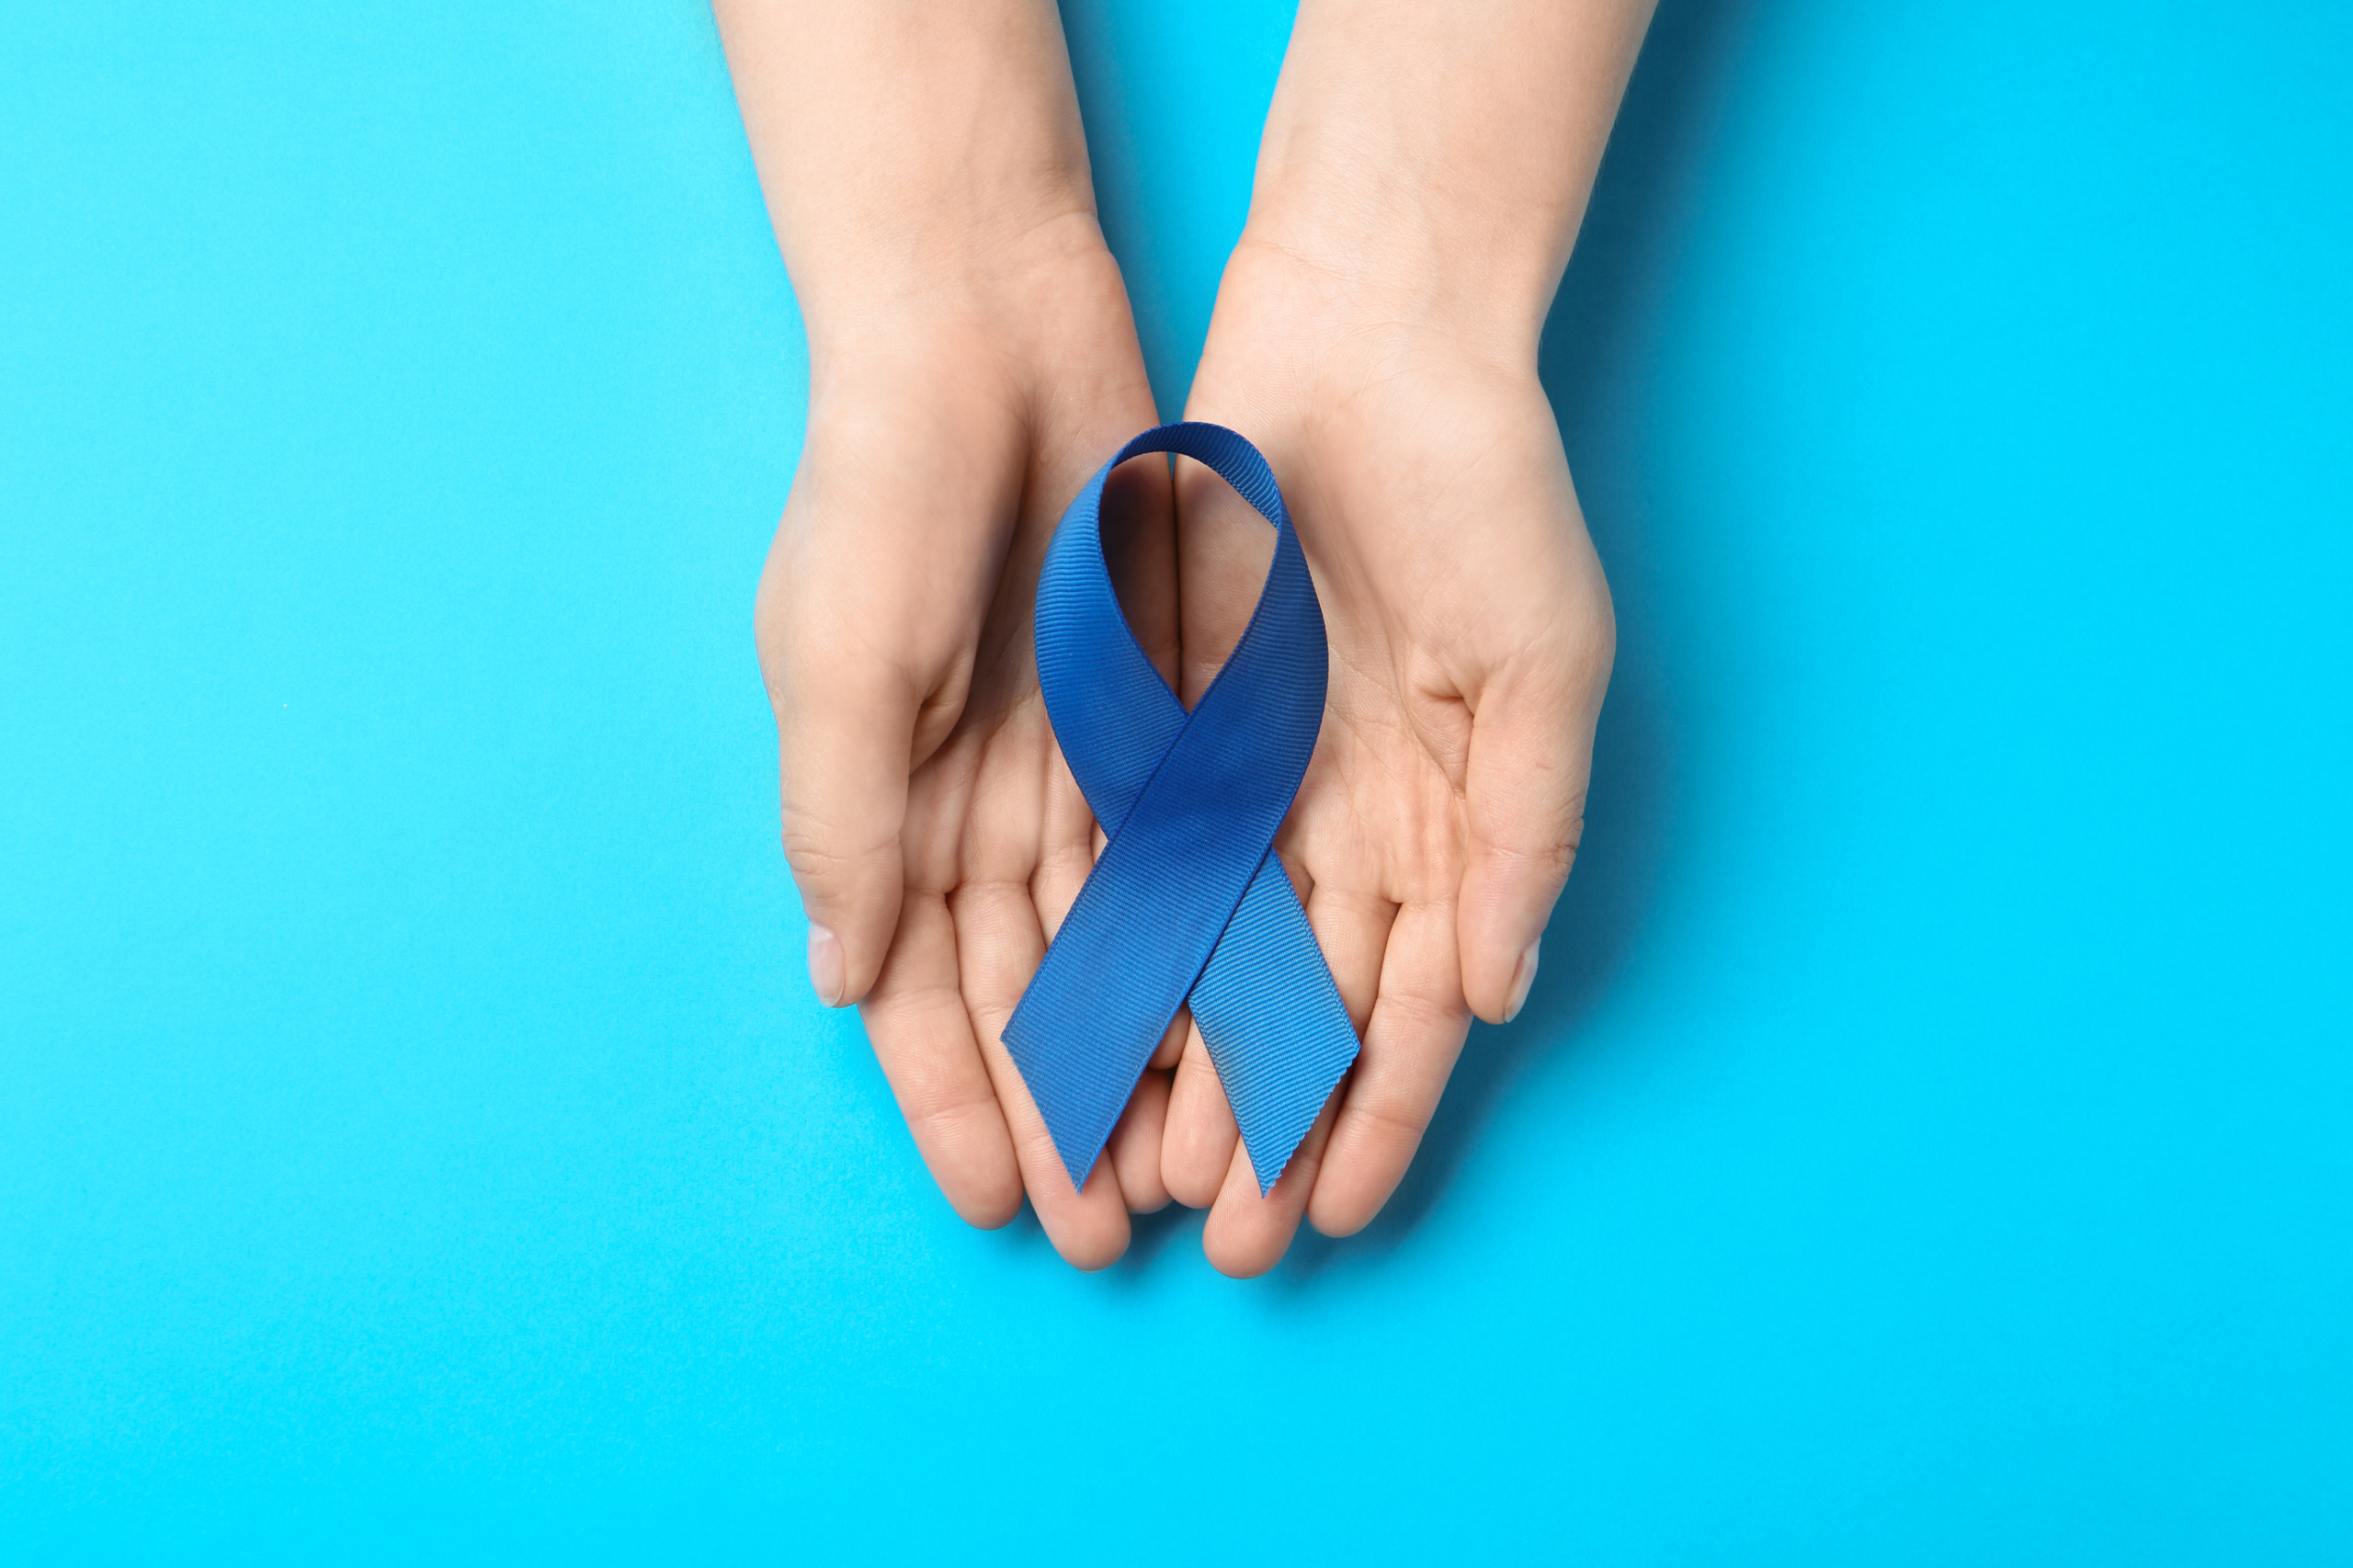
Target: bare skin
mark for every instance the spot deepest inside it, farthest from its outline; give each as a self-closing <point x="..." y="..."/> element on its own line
<point x="972" y="359"/>
<point x="1421" y="179"/>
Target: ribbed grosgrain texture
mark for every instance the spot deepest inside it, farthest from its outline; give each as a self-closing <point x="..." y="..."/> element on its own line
<point x="1186" y="900"/>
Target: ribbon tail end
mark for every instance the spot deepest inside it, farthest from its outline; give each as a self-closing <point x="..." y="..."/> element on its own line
<point x="1265" y="1178"/>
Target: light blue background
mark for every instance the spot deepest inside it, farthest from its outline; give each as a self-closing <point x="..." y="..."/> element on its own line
<point x="1929" y="1142"/>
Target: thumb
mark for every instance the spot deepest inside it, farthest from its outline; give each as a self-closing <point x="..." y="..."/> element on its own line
<point x="869" y="610"/>
<point x="1524" y="786"/>
<point x="844" y="730"/>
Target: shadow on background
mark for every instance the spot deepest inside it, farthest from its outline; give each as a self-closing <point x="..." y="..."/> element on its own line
<point x="1640" y="205"/>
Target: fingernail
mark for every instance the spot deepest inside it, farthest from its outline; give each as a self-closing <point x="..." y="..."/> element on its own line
<point x="825" y="965"/>
<point x="1522" y="976"/>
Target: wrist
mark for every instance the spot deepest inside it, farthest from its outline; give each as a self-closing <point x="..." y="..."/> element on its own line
<point x="1388" y="253"/>
<point x="1017" y="295"/>
<point x="1435" y="160"/>
<point x="946" y="261"/>
<point x="1021" y="358"/>
<point x="1317" y="326"/>
<point x="912" y="155"/>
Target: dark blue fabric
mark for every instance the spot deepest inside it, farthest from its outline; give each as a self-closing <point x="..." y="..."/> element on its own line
<point x="1187" y="901"/>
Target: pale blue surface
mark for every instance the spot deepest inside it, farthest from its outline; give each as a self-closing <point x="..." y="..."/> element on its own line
<point x="1930" y="1140"/>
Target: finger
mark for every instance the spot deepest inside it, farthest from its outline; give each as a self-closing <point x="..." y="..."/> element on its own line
<point x="1410" y="1044"/>
<point x="1198" y="1141"/>
<point x="1246" y="1235"/>
<point x="998" y="944"/>
<point x="1353" y="930"/>
<point x="1135" y="1146"/>
<point x="923" y="1038"/>
<point x="1172" y="1044"/>
<point x="1524" y="786"/>
<point x="845" y="788"/>
<point x="867" y="648"/>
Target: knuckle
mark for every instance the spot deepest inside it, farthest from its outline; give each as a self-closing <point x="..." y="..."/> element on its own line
<point x="1384" y="1135"/>
<point x="1546" y="865"/>
<point x="812" y="860"/>
<point x="1592" y="645"/>
<point x="1415" y="1017"/>
<point x="822" y="857"/>
<point x="947" y="1120"/>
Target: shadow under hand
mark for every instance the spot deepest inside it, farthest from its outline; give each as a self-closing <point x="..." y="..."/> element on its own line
<point x="1642" y="203"/>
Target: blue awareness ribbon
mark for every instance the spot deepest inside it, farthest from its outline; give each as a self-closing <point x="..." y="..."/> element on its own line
<point x="1189" y="901"/>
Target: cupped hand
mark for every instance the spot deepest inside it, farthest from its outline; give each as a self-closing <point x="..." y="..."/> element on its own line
<point x="935" y="833"/>
<point x="1471" y="643"/>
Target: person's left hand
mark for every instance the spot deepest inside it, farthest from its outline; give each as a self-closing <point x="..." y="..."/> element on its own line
<point x="1470" y="642"/>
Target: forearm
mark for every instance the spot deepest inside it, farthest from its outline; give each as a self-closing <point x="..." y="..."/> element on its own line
<point x="909" y="151"/>
<point x="1435" y="160"/>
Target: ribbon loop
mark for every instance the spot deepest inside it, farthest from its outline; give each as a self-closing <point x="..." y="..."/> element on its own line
<point x="1188" y="900"/>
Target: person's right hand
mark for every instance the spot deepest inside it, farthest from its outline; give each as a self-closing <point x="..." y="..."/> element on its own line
<point x="935" y="834"/>
<point x="971" y="360"/>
